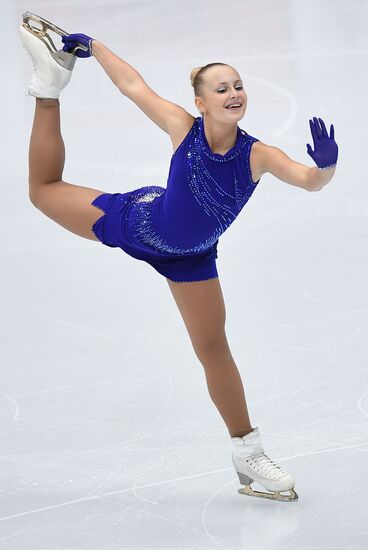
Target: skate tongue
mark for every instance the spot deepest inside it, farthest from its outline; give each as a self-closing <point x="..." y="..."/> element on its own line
<point x="251" y="435"/>
<point x="249" y="444"/>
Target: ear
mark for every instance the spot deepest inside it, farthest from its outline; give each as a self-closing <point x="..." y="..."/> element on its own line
<point x="199" y="104"/>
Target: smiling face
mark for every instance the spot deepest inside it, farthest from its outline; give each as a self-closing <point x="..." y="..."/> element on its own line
<point x="222" y="86"/>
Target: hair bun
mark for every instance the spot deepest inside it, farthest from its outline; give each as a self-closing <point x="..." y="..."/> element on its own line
<point x="194" y="73"/>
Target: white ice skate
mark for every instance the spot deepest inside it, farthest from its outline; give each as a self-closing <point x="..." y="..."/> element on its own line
<point x="252" y="464"/>
<point x="52" y="67"/>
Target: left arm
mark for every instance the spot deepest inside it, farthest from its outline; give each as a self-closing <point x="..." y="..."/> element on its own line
<point x="280" y="165"/>
<point x="319" y="178"/>
<point x="324" y="155"/>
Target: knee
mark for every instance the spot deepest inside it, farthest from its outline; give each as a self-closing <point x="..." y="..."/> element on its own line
<point x="37" y="198"/>
<point x="213" y="353"/>
<point x="33" y="198"/>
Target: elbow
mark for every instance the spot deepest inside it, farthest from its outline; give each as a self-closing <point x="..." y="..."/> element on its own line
<point x="313" y="180"/>
<point x="311" y="185"/>
<point x="314" y="187"/>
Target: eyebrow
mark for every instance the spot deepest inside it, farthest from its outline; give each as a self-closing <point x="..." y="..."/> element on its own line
<point x="239" y="80"/>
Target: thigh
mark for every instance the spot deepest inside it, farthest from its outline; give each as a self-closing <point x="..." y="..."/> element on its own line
<point x="70" y="206"/>
<point x="202" y="307"/>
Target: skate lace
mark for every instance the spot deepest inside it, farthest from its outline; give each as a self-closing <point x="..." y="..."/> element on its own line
<point x="265" y="466"/>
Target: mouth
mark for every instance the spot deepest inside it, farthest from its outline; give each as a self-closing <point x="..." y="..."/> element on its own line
<point x="233" y="108"/>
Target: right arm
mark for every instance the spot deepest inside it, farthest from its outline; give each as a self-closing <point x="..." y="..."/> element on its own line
<point x="121" y="73"/>
<point x="170" y="117"/>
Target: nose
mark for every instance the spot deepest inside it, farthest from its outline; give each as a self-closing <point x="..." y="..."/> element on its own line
<point x="235" y="93"/>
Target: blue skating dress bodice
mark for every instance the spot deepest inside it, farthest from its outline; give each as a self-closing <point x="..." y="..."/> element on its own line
<point x="181" y="225"/>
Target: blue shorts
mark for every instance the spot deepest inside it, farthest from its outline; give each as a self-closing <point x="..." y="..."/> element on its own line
<point x="113" y="230"/>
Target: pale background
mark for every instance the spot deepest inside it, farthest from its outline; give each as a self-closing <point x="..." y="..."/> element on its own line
<point x="109" y="439"/>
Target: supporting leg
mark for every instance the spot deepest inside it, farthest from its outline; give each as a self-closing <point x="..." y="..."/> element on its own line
<point x="227" y="393"/>
<point x="201" y="305"/>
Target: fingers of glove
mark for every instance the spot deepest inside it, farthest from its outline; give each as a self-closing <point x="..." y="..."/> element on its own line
<point x="81" y="36"/>
<point x="76" y="37"/>
<point x="68" y="48"/>
<point x="70" y="44"/>
<point x="309" y="150"/>
<point x="76" y="48"/>
<point x="68" y="39"/>
<point x="324" y="130"/>
<point x="72" y="47"/>
<point x="332" y="132"/>
<point x="318" y="128"/>
<point x="73" y="40"/>
<point x="314" y="132"/>
<point x="79" y="52"/>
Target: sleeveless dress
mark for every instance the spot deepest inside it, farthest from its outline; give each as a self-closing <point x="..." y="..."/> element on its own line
<point x="176" y="230"/>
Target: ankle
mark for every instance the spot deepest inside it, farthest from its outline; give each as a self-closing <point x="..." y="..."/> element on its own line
<point x="47" y="101"/>
<point x="242" y="434"/>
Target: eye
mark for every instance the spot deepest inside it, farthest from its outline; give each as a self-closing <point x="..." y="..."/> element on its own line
<point x="220" y="91"/>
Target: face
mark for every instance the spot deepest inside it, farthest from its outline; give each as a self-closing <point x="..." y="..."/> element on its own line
<point x="223" y="86"/>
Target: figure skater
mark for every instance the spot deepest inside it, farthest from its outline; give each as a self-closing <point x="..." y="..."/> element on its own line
<point x="215" y="168"/>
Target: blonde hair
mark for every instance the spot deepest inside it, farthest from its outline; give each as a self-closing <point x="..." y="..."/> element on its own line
<point x="193" y="74"/>
<point x="197" y="79"/>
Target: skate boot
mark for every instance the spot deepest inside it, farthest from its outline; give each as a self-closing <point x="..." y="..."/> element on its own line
<point x="52" y="67"/>
<point x="252" y="464"/>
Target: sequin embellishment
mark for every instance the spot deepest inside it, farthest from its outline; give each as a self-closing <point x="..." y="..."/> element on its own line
<point x="206" y="191"/>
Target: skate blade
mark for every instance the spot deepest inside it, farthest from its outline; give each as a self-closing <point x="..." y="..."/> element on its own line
<point x="39" y="26"/>
<point x="291" y="497"/>
<point x="31" y="20"/>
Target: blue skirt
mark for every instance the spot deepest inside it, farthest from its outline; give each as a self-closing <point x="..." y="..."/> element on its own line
<point x="114" y="230"/>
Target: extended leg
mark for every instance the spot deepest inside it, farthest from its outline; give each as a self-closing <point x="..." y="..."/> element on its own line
<point x="46" y="148"/>
<point x="67" y="204"/>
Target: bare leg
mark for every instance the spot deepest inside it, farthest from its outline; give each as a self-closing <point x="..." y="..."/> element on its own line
<point x="202" y="308"/>
<point x="46" y="149"/>
<point x="227" y="392"/>
<point x="67" y="204"/>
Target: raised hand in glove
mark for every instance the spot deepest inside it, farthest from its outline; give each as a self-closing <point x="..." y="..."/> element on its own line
<point x="325" y="147"/>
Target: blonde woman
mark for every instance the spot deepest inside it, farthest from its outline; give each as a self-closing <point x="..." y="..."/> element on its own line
<point x="215" y="168"/>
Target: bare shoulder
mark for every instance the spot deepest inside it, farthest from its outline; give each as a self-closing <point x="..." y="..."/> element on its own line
<point x="257" y="160"/>
<point x="179" y="126"/>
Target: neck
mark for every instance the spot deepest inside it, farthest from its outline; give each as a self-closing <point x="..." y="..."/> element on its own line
<point x="220" y="138"/>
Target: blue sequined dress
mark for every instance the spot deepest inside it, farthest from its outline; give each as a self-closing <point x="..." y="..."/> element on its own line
<point x="176" y="230"/>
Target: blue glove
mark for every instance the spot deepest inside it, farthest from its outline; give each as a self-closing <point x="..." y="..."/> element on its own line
<point x="325" y="147"/>
<point x="78" y="44"/>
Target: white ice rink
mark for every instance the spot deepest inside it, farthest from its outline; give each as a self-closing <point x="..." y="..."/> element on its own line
<point x="109" y="439"/>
